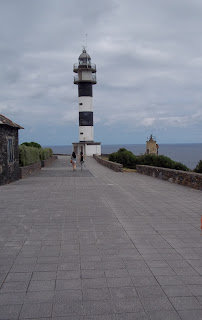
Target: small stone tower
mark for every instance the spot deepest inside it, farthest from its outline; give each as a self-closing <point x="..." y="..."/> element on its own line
<point x="152" y="147"/>
<point x="85" y="79"/>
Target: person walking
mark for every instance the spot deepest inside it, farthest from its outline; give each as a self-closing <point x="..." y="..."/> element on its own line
<point x="73" y="161"/>
<point x="81" y="160"/>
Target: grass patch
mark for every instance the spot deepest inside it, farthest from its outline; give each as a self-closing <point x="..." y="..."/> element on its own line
<point x="129" y="170"/>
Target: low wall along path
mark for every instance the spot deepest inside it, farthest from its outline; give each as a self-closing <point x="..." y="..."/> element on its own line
<point x="189" y="179"/>
<point x="185" y="178"/>
<point x="32" y="168"/>
<point x="109" y="164"/>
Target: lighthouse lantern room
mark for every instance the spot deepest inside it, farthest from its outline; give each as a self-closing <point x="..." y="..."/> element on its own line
<point x="85" y="79"/>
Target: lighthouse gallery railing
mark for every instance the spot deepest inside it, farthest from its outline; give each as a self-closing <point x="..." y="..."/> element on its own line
<point x="91" y="66"/>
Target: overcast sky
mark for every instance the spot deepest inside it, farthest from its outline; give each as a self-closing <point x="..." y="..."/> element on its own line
<point x="149" y="68"/>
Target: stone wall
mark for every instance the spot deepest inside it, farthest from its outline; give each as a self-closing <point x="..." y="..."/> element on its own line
<point x="9" y="170"/>
<point x="189" y="179"/>
<point x="109" y="164"/>
<point x="28" y="170"/>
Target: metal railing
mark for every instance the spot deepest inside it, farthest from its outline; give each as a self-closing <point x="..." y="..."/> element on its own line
<point x="91" y="66"/>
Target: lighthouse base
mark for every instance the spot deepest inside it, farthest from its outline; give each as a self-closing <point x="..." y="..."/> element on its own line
<point x="88" y="148"/>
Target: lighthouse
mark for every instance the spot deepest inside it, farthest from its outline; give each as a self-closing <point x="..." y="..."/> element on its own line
<point x="85" y="79"/>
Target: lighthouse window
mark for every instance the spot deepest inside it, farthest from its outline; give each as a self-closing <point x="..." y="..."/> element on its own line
<point x="86" y="118"/>
<point x="81" y="132"/>
<point x="80" y="103"/>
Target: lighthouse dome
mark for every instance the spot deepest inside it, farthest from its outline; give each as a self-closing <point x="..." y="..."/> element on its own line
<point x="84" y="58"/>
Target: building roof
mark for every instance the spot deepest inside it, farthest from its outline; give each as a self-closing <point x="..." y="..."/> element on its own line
<point x="84" y="55"/>
<point x="8" y="122"/>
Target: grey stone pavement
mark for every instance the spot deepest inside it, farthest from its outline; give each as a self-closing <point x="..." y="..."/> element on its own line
<point x="99" y="245"/>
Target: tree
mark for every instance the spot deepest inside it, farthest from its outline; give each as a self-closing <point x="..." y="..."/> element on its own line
<point x="32" y="144"/>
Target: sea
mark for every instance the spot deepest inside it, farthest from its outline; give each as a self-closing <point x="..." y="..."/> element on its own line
<point x="186" y="153"/>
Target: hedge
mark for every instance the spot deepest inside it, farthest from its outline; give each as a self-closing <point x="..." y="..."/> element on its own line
<point x="30" y="155"/>
<point x="199" y="167"/>
<point x="129" y="160"/>
<point x="45" y="153"/>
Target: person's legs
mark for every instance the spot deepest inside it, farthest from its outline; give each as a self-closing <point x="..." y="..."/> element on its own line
<point x="81" y="165"/>
<point x="74" y="165"/>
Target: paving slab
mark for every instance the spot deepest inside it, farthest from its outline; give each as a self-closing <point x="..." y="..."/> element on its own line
<point x="98" y="244"/>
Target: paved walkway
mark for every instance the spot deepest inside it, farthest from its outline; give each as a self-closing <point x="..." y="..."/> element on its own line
<point x="99" y="245"/>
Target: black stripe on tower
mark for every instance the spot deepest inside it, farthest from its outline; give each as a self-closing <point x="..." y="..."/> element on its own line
<point x="86" y="118"/>
<point x="85" y="89"/>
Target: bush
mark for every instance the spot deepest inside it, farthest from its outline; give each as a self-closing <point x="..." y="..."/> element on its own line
<point x="28" y="155"/>
<point x="181" y="166"/>
<point x="32" y="144"/>
<point x="45" y="153"/>
<point x="125" y="157"/>
<point x="161" y="161"/>
<point x="129" y="160"/>
<point x="198" y="168"/>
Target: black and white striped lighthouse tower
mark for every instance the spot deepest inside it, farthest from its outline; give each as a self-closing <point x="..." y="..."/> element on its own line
<point x="85" y="78"/>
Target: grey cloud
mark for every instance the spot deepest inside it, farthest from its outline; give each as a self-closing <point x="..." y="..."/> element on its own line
<point x="148" y="57"/>
<point x="9" y="74"/>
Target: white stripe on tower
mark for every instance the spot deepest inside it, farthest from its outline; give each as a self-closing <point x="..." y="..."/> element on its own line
<point x="85" y="104"/>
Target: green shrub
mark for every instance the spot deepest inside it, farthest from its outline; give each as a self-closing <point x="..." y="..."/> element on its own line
<point x="50" y="152"/>
<point x="161" y="161"/>
<point x="181" y="166"/>
<point x="125" y="157"/>
<point x="129" y="160"/>
<point x="45" y="153"/>
<point x="32" y="144"/>
<point x="28" y="155"/>
<point x="122" y="150"/>
<point x="199" y="167"/>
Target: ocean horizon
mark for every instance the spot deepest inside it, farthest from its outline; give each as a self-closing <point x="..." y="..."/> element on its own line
<point x="187" y="153"/>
